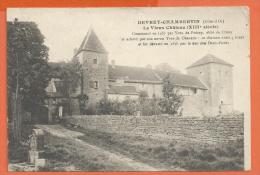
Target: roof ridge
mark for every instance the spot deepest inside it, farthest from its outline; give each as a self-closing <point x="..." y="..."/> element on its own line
<point x="130" y="66"/>
<point x="207" y="59"/>
<point x="151" y="75"/>
<point x="91" y="42"/>
<point x="156" y="71"/>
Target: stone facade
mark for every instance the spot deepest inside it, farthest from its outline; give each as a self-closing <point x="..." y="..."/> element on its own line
<point x="150" y="88"/>
<point x="219" y="80"/>
<point x="207" y="88"/>
<point x="95" y="75"/>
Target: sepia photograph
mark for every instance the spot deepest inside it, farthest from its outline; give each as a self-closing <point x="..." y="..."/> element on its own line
<point x="128" y="89"/>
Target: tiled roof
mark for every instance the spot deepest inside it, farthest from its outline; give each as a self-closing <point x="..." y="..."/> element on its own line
<point x="139" y="74"/>
<point x="132" y="73"/>
<point x="183" y="80"/>
<point x="123" y="90"/>
<point x="56" y="88"/>
<point x="91" y="43"/>
<point x="186" y="81"/>
<point x="209" y="59"/>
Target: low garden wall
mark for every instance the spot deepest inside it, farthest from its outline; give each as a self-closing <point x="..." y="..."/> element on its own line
<point x="203" y="130"/>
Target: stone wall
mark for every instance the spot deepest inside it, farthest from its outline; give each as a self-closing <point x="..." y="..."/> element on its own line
<point x="208" y="130"/>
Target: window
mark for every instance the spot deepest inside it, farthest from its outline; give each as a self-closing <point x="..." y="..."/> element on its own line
<point x="96" y="84"/>
<point x="120" y="81"/>
<point x="194" y="90"/>
<point x="184" y="91"/>
<point x="95" y="61"/>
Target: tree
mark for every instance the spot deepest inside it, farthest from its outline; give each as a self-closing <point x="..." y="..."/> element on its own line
<point x="172" y="99"/>
<point x="148" y="106"/>
<point x="143" y="95"/>
<point x="70" y="74"/>
<point x="27" y="70"/>
<point x="106" y="107"/>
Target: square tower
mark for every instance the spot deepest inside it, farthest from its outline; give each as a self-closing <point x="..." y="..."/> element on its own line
<point x="216" y="74"/>
<point x="94" y="60"/>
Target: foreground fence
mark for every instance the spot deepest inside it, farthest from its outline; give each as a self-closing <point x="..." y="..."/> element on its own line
<point x="206" y="130"/>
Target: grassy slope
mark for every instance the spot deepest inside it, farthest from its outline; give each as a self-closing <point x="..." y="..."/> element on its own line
<point x="65" y="155"/>
<point x="170" y="154"/>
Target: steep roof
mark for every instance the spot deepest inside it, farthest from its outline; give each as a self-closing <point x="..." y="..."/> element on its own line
<point x="209" y="59"/>
<point x="91" y="43"/>
<point x="146" y="75"/>
<point x="132" y="73"/>
<point x="123" y="90"/>
<point x="56" y="88"/>
<point x="183" y="80"/>
<point x="186" y="81"/>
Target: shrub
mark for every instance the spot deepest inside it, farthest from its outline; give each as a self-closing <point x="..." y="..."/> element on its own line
<point x="220" y="152"/>
<point x="149" y="107"/>
<point x="183" y="153"/>
<point x="158" y="150"/>
<point x="106" y="106"/>
<point x="169" y="104"/>
<point x="197" y="165"/>
<point x="207" y="155"/>
<point x="227" y="165"/>
<point x="128" y="107"/>
<point x="172" y="100"/>
<point x="91" y="110"/>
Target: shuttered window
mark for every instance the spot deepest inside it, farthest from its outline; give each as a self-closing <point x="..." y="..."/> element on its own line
<point x="94" y="84"/>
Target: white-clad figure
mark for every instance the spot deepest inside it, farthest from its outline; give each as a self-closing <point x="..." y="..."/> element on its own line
<point x="60" y="112"/>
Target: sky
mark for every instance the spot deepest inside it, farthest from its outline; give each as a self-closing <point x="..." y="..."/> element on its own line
<point x="65" y="28"/>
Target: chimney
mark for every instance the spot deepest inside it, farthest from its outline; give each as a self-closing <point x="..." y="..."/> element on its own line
<point x="113" y="63"/>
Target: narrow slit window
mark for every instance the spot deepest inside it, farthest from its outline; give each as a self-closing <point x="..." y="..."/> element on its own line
<point x="96" y="84"/>
<point x="95" y="61"/>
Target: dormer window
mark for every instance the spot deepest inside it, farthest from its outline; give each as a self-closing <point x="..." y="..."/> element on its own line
<point x="95" y="61"/>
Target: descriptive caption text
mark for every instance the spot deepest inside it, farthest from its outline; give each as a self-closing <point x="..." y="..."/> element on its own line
<point x="182" y="33"/>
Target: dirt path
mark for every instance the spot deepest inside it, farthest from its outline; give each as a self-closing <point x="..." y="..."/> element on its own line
<point x="117" y="158"/>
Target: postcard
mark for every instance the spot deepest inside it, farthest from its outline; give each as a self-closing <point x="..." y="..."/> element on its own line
<point x="129" y="89"/>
